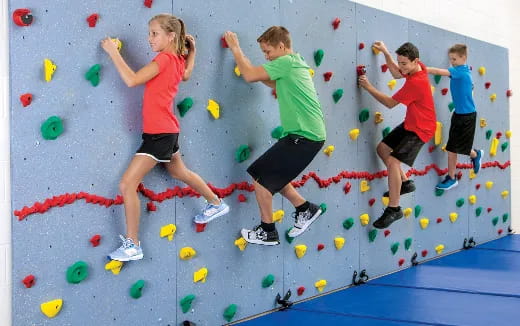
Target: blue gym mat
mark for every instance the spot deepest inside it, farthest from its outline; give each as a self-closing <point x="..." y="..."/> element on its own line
<point x="480" y="286"/>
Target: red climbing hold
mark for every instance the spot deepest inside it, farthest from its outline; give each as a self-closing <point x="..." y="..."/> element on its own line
<point x="321" y="246"/>
<point x="424" y="253"/>
<point x="148" y="3"/>
<point x="487" y="85"/>
<point x="347" y="187"/>
<point x="150" y="206"/>
<point x="371" y="202"/>
<point x="459" y="175"/>
<point x="95" y="240"/>
<point x="92" y="20"/>
<point x="242" y="198"/>
<point x="28" y="281"/>
<point x="509" y="93"/>
<point x="499" y="134"/>
<point x="22" y="17"/>
<point x="200" y="227"/>
<point x="439" y="220"/>
<point x="335" y="23"/>
<point x="477" y="186"/>
<point x="387" y="233"/>
<point x="223" y="42"/>
<point x="300" y="290"/>
<point x="384" y="67"/>
<point x="361" y="46"/>
<point x="327" y="76"/>
<point x="273" y="92"/>
<point x="489" y="209"/>
<point x="500" y="231"/>
<point x="401" y="261"/>
<point x="444" y="91"/>
<point x="431" y="148"/>
<point x="26" y="99"/>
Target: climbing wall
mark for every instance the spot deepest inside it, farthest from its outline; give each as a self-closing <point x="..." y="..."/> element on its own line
<point x="65" y="191"/>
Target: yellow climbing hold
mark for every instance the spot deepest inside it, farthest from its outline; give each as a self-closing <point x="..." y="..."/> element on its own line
<point x="504" y="194"/>
<point x="378" y="117"/>
<point x="364" y="219"/>
<point x="168" y="231"/>
<point x="320" y="285"/>
<point x="493" y="97"/>
<point x="509" y="134"/>
<point x="311" y="71"/>
<point x="444" y="147"/>
<point x="407" y="212"/>
<point x="237" y="71"/>
<point x="472" y="199"/>
<point x="214" y="108"/>
<point x="453" y="217"/>
<point x="278" y="216"/>
<point x="364" y="186"/>
<point x="472" y="174"/>
<point x="354" y="134"/>
<point x="482" y="71"/>
<point x="114" y="266"/>
<point x="339" y="242"/>
<point x="375" y="50"/>
<point x="432" y="89"/>
<point x="493" y="147"/>
<point x="391" y="84"/>
<point x="241" y="243"/>
<point x="438" y="133"/>
<point x="48" y="69"/>
<point x="200" y="275"/>
<point x="300" y="250"/>
<point x="385" y="201"/>
<point x="328" y="150"/>
<point x="187" y="253"/>
<point x="489" y="185"/>
<point x="51" y="308"/>
<point x="424" y="223"/>
<point x="483" y="122"/>
<point x="439" y="249"/>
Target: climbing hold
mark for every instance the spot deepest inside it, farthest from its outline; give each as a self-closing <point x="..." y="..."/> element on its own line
<point x="77" y="272"/>
<point x="327" y="76"/>
<point x="493" y="97"/>
<point x="472" y="199"/>
<point x="364" y="186"/>
<point x="237" y="71"/>
<point x="223" y="43"/>
<point x="459" y="202"/>
<point x="401" y="261"/>
<point x="311" y="71"/>
<point x="509" y="93"/>
<point x="277" y="132"/>
<point x="347" y="187"/>
<point x="487" y="85"/>
<point x="500" y="231"/>
<point x="185" y="105"/>
<point x="186" y="302"/>
<point x="51" y="308"/>
<point x="483" y="122"/>
<point x="385" y="200"/>
<point x="148" y="3"/>
<point x="339" y="242"/>
<point x="22" y="17"/>
<point x="493" y="147"/>
<point x="300" y="290"/>
<point x="439" y="192"/>
<point x="505" y="217"/>
<point x="432" y="88"/>
<point x="95" y="240"/>
<point x="424" y="223"/>
<point x="26" y="99"/>
<point x="488" y="134"/>
<point x="118" y="43"/>
<point x="478" y="211"/>
<point x="29" y="280"/>
<point x="335" y="23"/>
<point x="150" y="206"/>
<point x="323" y="207"/>
<point x="353" y="134"/>
<point x="371" y="202"/>
<point x="241" y="243"/>
<point x="361" y="46"/>
<point x="268" y="281"/>
<point x="48" y="69"/>
<point x="378" y="118"/>
<point x="320" y="285"/>
<point x="417" y="211"/>
<point x="242" y="153"/>
<point x="337" y="95"/>
<point x="439" y="220"/>
<point x="214" y="108"/>
<point x="386" y="131"/>
<point x="114" y="266"/>
<point x="364" y="115"/>
<point x="453" y="217"/>
<point x="438" y="133"/>
<point x="472" y="174"/>
<point x="92" y="20"/>
<point x="489" y="185"/>
<point x="200" y="227"/>
<point x="365" y="219"/>
<point x="52" y="128"/>
<point x="200" y="275"/>
<point x="424" y="253"/>
<point x="498" y="135"/>
<point x="504" y="194"/>
<point x="318" y="57"/>
<point x="287" y="236"/>
<point x="300" y="250"/>
<point x="230" y="312"/>
<point x="387" y="233"/>
<point x="439" y="249"/>
<point x="348" y="223"/>
<point x="321" y="246"/>
<point x="437" y="79"/>
<point x="136" y="291"/>
<point x="278" y="216"/>
<point x="187" y="253"/>
<point x="384" y="67"/>
<point x="168" y="231"/>
<point x="451" y="106"/>
<point x="489" y="209"/>
<point x="375" y="50"/>
<point x="494" y="220"/>
<point x="504" y="146"/>
<point x="408" y="243"/>
<point x="328" y="150"/>
<point x="444" y="91"/>
<point x="273" y="92"/>
<point x="391" y="84"/>
<point x="407" y="212"/>
<point x="372" y="235"/>
<point x="482" y="71"/>
<point x="394" y="247"/>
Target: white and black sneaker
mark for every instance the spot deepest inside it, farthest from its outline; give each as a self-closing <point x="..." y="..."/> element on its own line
<point x="260" y="236"/>
<point x="302" y="220"/>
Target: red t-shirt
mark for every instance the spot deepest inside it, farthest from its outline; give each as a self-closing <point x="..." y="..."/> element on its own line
<point x="416" y="94"/>
<point x="159" y="93"/>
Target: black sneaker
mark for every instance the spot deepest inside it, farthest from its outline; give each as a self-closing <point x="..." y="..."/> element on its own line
<point x="303" y="220"/>
<point x="260" y="236"/>
<point x="407" y="186"/>
<point x="389" y="216"/>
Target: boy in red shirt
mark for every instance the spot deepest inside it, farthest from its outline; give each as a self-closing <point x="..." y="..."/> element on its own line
<point x="405" y="141"/>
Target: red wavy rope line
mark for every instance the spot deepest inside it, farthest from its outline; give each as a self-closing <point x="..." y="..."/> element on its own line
<point x="66" y="199"/>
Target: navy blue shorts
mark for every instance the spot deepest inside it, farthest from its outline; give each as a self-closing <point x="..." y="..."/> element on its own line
<point x="160" y="147"/>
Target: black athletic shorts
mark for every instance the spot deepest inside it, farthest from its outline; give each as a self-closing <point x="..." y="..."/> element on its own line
<point x="160" y="147"/>
<point x="462" y="132"/>
<point x="284" y="161"/>
<point x="405" y="144"/>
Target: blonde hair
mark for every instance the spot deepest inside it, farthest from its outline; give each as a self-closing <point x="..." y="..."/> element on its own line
<point x="274" y="35"/>
<point x="172" y="24"/>
<point x="460" y="49"/>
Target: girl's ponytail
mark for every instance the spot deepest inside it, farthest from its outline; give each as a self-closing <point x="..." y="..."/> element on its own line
<point x="181" y="40"/>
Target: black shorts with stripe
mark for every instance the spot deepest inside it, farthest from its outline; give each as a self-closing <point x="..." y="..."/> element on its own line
<point x="160" y="147"/>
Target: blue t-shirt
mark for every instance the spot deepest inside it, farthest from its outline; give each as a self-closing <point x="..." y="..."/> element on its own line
<point x="461" y="87"/>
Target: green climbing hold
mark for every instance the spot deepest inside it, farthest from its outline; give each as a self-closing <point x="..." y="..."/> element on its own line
<point x="348" y="223"/>
<point x="277" y="132"/>
<point x="505" y="217"/>
<point x="478" y="211"/>
<point x="460" y="202"/>
<point x="407" y="243"/>
<point x="337" y="95"/>
<point x="439" y="192"/>
<point x="437" y="79"/>
<point x="494" y="220"/>
<point x="386" y="131"/>
<point x="92" y="74"/>
<point x="318" y="57"/>
<point x="323" y="207"/>
<point x="77" y="272"/>
<point x="504" y="146"/>
<point x="185" y="106"/>
<point x="52" y="128"/>
<point x="488" y="134"/>
<point x="230" y="312"/>
<point x="186" y="302"/>
<point x="268" y="281"/>
<point x="364" y="115"/>
<point x="242" y="153"/>
<point x="136" y="291"/>
<point x="287" y="236"/>
<point x="451" y="106"/>
<point x="417" y="211"/>
<point x="372" y="235"/>
<point x="394" y="247"/>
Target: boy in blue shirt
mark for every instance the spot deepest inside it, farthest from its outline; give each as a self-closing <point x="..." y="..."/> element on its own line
<point x="464" y="119"/>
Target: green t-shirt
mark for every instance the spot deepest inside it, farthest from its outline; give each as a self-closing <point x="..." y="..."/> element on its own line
<point x="300" y="109"/>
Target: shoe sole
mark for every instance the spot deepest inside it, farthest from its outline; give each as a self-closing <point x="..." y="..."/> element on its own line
<point x="448" y="188"/>
<point x="137" y="257"/>
<point x="219" y="214"/>
<point x="260" y="242"/>
<point x="292" y="235"/>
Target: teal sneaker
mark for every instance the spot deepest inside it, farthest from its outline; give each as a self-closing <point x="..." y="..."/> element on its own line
<point x="128" y="251"/>
<point x="211" y="212"/>
<point x="477" y="161"/>
<point x="447" y="183"/>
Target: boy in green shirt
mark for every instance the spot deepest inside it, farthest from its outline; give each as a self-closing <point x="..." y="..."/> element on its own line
<point x="303" y="131"/>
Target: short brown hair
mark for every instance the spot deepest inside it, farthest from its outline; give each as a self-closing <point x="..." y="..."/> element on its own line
<point x="274" y="35"/>
<point x="460" y="49"/>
